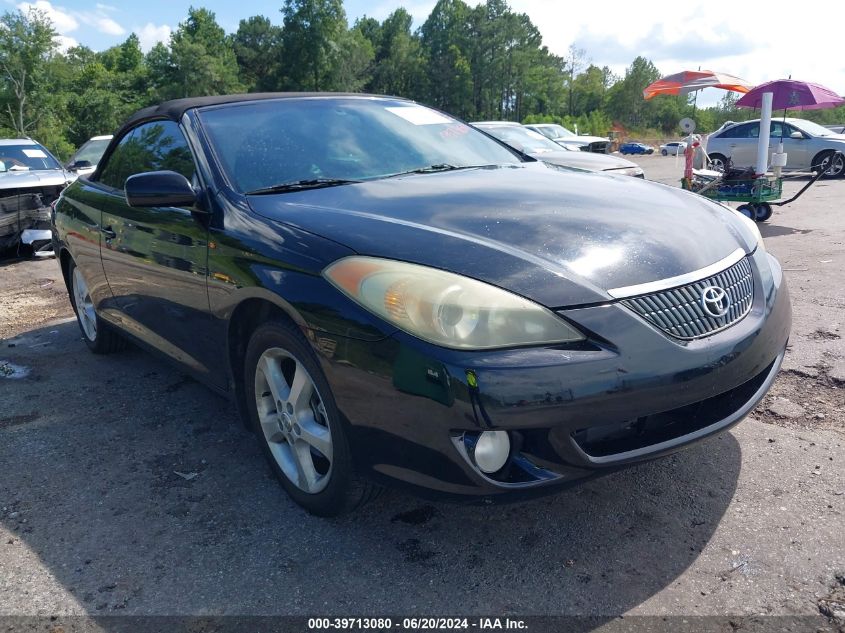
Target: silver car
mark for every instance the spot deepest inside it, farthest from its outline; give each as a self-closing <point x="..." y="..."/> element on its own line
<point x="808" y="145"/>
<point x="30" y="179"/>
<point x="563" y="136"/>
<point x="537" y="146"/>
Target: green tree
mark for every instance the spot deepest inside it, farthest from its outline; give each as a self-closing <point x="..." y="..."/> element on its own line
<point x="26" y="45"/>
<point x="398" y="67"/>
<point x="445" y="44"/>
<point x="257" y="45"/>
<point x="312" y="39"/>
<point x="625" y="98"/>
<point x="202" y="61"/>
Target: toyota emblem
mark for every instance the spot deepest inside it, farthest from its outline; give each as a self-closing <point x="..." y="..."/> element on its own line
<point x="715" y="301"/>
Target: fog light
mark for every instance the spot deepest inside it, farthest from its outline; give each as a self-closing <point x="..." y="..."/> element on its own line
<point x="491" y="450"/>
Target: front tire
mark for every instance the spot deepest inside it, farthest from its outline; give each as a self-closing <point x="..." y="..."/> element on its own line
<point x="664" y="152"/>
<point x="297" y="423"/>
<point x="823" y="162"/>
<point x="763" y="212"/>
<point x="98" y="335"/>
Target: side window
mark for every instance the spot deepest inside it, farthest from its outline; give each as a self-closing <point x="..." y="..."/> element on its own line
<point x="778" y="129"/>
<point x="154" y="146"/>
<point x="115" y="171"/>
<point x="788" y="130"/>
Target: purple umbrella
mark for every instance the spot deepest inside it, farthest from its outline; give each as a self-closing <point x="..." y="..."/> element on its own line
<point x="788" y="94"/>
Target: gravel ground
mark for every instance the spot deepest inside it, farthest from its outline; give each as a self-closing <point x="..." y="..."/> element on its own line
<point x="129" y="489"/>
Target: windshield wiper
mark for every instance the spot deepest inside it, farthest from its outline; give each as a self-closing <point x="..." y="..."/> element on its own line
<point x="301" y="185"/>
<point x="433" y="169"/>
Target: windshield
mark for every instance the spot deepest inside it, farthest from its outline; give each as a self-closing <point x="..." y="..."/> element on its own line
<point x="266" y="143"/>
<point x="91" y="151"/>
<point x="813" y="129"/>
<point x="521" y="138"/>
<point x="25" y="158"/>
<point x="554" y="131"/>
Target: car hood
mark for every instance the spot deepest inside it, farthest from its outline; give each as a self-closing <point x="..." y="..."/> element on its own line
<point x="580" y="140"/>
<point x="559" y="237"/>
<point x="40" y="178"/>
<point x="590" y="161"/>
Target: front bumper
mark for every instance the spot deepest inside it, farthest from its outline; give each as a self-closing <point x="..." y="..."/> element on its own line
<point x="629" y="394"/>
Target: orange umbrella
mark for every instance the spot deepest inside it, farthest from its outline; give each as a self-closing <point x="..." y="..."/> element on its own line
<point x="688" y="81"/>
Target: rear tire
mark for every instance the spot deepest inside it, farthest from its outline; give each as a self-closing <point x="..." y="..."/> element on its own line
<point x="748" y="210"/>
<point x="98" y="335"/>
<point x="718" y="162"/>
<point x="822" y="162"/>
<point x="297" y="423"/>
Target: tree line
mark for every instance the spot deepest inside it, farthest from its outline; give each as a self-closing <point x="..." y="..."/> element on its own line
<point x="482" y="62"/>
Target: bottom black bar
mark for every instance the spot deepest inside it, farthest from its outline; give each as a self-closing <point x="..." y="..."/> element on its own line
<point x="373" y="624"/>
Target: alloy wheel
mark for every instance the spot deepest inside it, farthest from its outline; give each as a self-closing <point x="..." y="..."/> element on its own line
<point x="836" y="168"/>
<point x="84" y="306"/>
<point x="293" y="419"/>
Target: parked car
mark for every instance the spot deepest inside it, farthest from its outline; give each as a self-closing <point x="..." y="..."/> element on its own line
<point x="673" y="148"/>
<point x="808" y="145"/>
<point x="563" y="136"/>
<point x="535" y="144"/>
<point x="391" y="296"/>
<point x="30" y="179"/>
<point x="86" y="158"/>
<point x="635" y="147"/>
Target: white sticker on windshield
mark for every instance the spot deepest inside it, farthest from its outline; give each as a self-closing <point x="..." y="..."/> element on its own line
<point x="34" y="153"/>
<point x="419" y="115"/>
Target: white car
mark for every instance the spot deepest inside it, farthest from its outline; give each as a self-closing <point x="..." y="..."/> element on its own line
<point x="562" y="136"/>
<point x="527" y="141"/>
<point x="85" y="160"/>
<point x="808" y="145"/>
<point x="673" y="148"/>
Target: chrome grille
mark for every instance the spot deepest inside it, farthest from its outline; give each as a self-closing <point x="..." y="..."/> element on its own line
<point x="680" y="313"/>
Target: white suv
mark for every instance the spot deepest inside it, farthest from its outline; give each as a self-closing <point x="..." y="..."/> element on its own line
<point x="808" y="145"/>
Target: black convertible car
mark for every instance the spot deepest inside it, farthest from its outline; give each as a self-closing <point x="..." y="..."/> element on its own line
<point x="392" y="296"/>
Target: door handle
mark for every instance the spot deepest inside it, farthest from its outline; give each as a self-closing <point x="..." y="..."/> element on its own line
<point x="107" y="232"/>
<point x="733" y="145"/>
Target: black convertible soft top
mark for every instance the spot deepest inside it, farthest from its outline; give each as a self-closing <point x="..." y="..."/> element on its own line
<point x="173" y="110"/>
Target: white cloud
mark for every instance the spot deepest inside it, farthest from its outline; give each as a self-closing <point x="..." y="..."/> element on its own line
<point x="105" y="7"/>
<point x="63" y="21"/>
<point x="64" y="43"/>
<point x="109" y="26"/>
<point x="150" y="34"/>
<point x="66" y="21"/>
<point x="753" y="43"/>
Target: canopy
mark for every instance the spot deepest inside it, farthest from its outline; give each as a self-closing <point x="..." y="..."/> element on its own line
<point x="789" y="94"/>
<point x="688" y="81"/>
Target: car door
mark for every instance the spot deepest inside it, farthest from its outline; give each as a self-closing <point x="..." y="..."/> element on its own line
<point x="741" y="144"/>
<point x="155" y="258"/>
<point x="797" y="150"/>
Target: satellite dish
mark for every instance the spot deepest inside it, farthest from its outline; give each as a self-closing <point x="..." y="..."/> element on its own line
<point x="687" y="125"/>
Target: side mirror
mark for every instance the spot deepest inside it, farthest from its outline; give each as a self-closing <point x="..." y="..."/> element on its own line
<point x="159" y="189"/>
<point x="797" y="135"/>
<point x="79" y="164"/>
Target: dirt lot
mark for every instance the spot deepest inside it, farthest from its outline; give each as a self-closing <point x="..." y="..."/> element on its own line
<point x="129" y="489"/>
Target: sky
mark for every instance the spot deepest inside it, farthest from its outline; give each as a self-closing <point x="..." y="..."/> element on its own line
<point x="737" y="38"/>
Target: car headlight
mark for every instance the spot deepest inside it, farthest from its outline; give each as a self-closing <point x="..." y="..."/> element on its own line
<point x="628" y="171"/>
<point x="444" y="308"/>
<point x="751" y="226"/>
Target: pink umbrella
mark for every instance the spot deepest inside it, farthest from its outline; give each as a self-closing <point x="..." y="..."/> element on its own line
<point x="788" y="94"/>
